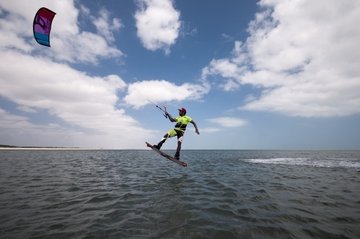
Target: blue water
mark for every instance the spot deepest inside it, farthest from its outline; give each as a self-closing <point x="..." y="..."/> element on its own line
<point x="139" y="194"/>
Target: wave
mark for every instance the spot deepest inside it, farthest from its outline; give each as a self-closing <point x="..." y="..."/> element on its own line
<point x="327" y="163"/>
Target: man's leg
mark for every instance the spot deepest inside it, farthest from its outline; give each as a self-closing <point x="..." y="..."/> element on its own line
<point x="158" y="146"/>
<point x="177" y="154"/>
<point x="169" y="134"/>
<point x="180" y="135"/>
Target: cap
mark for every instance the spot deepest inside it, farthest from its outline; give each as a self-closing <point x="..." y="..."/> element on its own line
<point x="182" y="110"/>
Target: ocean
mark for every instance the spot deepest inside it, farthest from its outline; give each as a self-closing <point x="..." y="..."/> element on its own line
<point x="139" y="194"/>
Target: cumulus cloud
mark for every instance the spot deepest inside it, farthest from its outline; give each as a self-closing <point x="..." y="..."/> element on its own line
<point x="106" y="26"/>
<point x="302" y="54"/>
<point x="228" y="122"/>
<point x="75" y="98"/>
<point x="142" y="92"/>
<point x="11" y="121"/>
<point x="157" y="23"/>
<point x="19" y="130"/>
<point x="210" y="130"/>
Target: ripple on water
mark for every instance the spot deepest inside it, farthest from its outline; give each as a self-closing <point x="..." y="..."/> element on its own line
<point x="136" y="194"/>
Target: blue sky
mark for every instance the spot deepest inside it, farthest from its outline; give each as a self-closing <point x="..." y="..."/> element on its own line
<point x="267" y="74"/>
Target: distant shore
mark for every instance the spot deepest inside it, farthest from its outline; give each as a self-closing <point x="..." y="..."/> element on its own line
<point x="13" y="147"/>
<point x="45" y="148"/>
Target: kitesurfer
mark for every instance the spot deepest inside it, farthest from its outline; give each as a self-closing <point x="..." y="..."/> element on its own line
<point x="181" y="122"/>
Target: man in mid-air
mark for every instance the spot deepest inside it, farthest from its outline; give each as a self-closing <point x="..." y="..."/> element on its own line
<point x="181" y="122"/>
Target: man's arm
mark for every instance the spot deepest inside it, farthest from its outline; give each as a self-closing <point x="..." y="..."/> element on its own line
<point x="196" y="128"/>
<point x="170" y="117"/>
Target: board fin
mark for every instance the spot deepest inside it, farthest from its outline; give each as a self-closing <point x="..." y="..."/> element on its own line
<point x="166" y="155"/>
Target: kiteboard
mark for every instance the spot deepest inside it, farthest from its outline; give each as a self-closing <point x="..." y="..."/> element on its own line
<point x="166" y="155"/>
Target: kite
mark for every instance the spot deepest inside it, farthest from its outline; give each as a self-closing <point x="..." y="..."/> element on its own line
<point x="42" y="26"/>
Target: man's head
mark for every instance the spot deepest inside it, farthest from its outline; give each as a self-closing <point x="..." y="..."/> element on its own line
<point x="182" y="111"/>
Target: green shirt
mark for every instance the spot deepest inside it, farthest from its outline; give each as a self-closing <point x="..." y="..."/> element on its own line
<point x="182" y="122"/>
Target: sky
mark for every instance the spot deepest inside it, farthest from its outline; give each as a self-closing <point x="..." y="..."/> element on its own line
<point x="267" y="74"/>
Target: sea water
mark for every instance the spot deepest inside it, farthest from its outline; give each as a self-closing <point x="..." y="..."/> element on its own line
<point x="138" y="194"/>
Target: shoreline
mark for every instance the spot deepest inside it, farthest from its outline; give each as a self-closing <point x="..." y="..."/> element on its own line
<point x="45" y="148"/>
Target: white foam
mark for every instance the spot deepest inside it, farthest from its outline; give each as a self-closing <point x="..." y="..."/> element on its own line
<point x="338" y="162"/>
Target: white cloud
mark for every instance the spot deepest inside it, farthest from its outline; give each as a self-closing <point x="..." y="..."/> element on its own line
<point x="228" y="122"/>
<point x="68" y="42"/>
<point x="18" y="130"/>
<point x="303" y="54"/>
<point x="106" y="26"/>
<point x="209" y="130"/>
<point x="157" y="23"/>
<point x="142" y="92"/>
<point x="11" y="121"/>
<point x="79" y="100"/>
